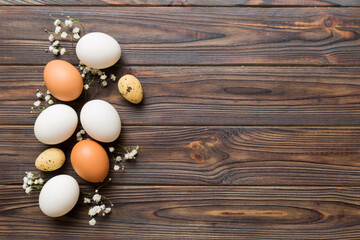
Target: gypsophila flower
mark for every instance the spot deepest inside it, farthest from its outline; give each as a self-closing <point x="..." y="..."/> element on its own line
<point x="82" y="75"/>
<point x="113" y="77"/>
<point x="76" y="36"/>
<point x="47" y="97"/>
<point x="63" y="35"/>
<point x="62" y="51"/>
<point x="25" y="179"/>
<point x="41" y="181"/>
<point x="37" y="103"/>
<point x="79" y="139"/>
<point x="36" y="181"/>
<point x="86" y="86"/>
<point x="28" y="190"/>
<point x="103" y="77"/>
<point x="50" y="102"/>
<point x="118" y="159"/>
<point x="127" y="156"/>
<point x="68" y="23"/>
<point x="51" y="37"/>
<point x="51" y="48"/>
<point x="55" y="51"/>
<point x="57" y="30"/>
<point x="48" y="92"/>
<point x="86" y="69"/>
<point x="24" y="186"/>
<point x="76" y="30"/>
<point x="57" y="22"/>
<point x="56" y="43"/>
<point x="30" y="182"/>
<point x="81" y="67"/>
<point x="102" y="207"/>
<point x="82" y="131"/>
<point x="97" y="198"/>
<point x="39" y="95"/>
<point x="111" y="149"/>
<point x="87" y="200"/>
<point x="104" y="83"/>
<point x="107" y="210"/>
<point x="92" y="212"/>
<point x="116" y="167"/>
<point x="92" y="222"/>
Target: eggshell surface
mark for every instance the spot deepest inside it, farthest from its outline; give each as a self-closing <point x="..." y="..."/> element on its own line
<point x="100" y="120"/>
<point x="50" y="160"/>
<point x="63" y="80"/>
<point x="55" y="124"/>
<point x="130" y="88"/>
<point x="98" y="50"/>
<point x="59" y="195"/>
<point x="90" y="161"/>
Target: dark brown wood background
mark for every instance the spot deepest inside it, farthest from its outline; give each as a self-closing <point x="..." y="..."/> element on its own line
<point x="250" y="125"/>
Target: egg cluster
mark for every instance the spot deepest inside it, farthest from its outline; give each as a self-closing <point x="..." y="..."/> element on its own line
<point x="98" y="118"/>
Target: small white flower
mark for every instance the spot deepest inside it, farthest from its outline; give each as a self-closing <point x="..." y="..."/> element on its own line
<point x="99" y="72"/>
<point x="86" y="69"/>
<point x="25" y="179"/>
<point x="118" y="159"/>
<point x="103" y="77"/>
<point x="51" y="48"/>
<point x="48" y="92"/>
<point x="57" y="22"/>
<point x="92" y="222"/>
<point x="37" y="103"/>
<point x="39" y="95"/>
<point x="78" y="134"/>
<point x="68" y="23"/>
<point x="113" y="77"/>
<point x="104" y="83"/>
<point x="36" y="181"/>
<point x="76" y="30"/>
<point x="41" y="181"/>
<point x="30" y="182"/>
<point x="51" y="37"/>
<point x="111" y="149"/>
<point x="24" y="186"/>
<point x="76" y="36"/>
<point x="57" y="30"/>
<point x="56" y="43"/>
<point x="50" y="102"/>
<point x="62" y="51"/>
<point x="55" y="51"/>
<point x="97" y="198"/>
<point x="86" y="86"/>
<point x="102" y="207"/>
<point x="79" y="139"/>
<point x="92" y="212"/>
<point x="87" y="200"/>
<point x="82" y="131"/>
<point x="127" y="156"/>
<point x="107" y="210"/>
<point x="63" y="35"/>
<point x="133" y="152"/>
<point x="28" y="190"/>
<point x="83" y="75"/>
<point x="116" y="167"/>
<point x="47" y="97"/>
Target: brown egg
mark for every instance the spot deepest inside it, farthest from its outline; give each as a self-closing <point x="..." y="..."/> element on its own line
<point x="90" y="161"/>
<point x="63" y="80"/>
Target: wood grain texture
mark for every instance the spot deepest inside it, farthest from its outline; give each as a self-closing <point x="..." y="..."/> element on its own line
<point x="209" y="156"/>
<point x="169" y="212"/>
<point x="212" y="3"/>
<point x="195" y="36"/>
<point x="210" y="95"/>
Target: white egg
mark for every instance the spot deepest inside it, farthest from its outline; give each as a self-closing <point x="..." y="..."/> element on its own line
<point x="98" y="50"/>
<point x="59" y="195"/>
<point x="100" y="120"/>
<point x="55" y="124"/>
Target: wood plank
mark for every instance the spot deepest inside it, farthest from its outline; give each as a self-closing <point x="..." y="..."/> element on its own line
<point x="210" y="95"/>
<point x="345" y="3"/>
<point x="169" y="212"/>
<point x="195" y="36"/>
<point x="211" y="155"/>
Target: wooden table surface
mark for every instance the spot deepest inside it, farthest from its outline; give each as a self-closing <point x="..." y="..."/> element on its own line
<point x="249" y="129"/>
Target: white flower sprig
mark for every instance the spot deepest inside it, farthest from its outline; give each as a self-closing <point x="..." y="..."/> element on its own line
<point x="42" y="98"/>
<point x="97" y="204"/>
<point x="126" y="153"/>
<point x="66" y="29"/>
<point x="91" y="76"/>
<point x="79" y="135"/>
<point x="32" y="181"/>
